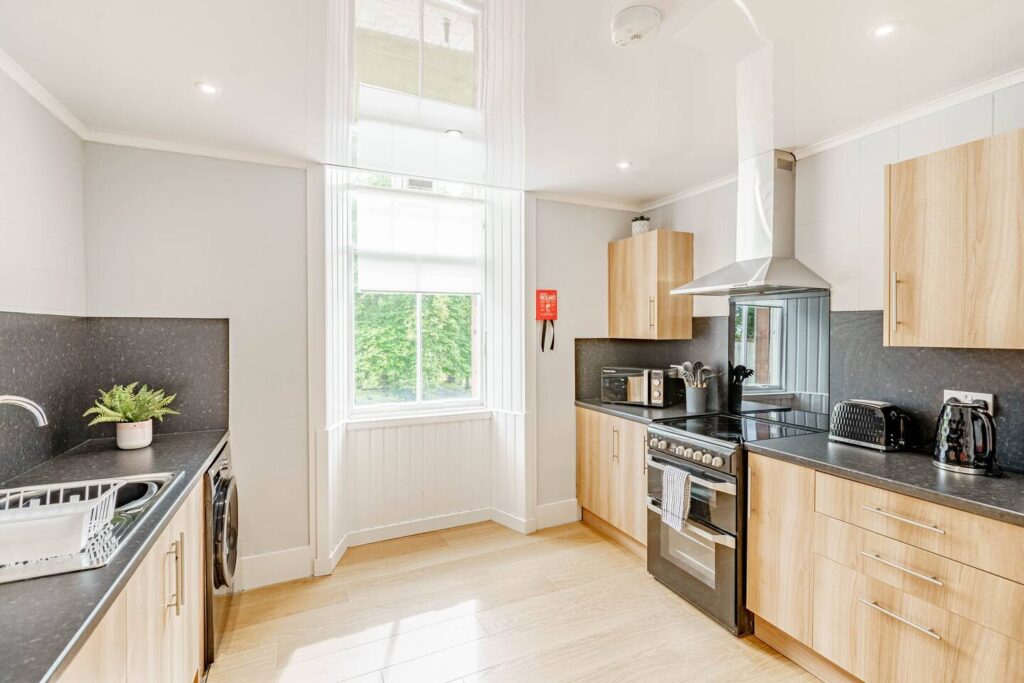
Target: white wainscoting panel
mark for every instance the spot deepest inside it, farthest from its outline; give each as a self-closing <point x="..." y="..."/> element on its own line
<point x="395" y="475"/>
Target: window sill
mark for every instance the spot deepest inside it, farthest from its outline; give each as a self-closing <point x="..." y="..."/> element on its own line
<point x="767" y="394"/>
<point x="399" y="419"/>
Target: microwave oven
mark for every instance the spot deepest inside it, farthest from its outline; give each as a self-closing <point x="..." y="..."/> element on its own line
<point x="655" y="387"/>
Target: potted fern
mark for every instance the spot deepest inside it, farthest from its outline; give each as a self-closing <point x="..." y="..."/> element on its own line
<point x="132" y="412"/>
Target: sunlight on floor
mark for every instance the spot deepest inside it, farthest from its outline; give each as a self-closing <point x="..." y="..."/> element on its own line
<point x="482" y="602"/>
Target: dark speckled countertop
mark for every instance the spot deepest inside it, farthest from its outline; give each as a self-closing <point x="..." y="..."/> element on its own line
<point x="648" y="415"/>
<point x="903" y="472"/>
<point x="47" y="619"/>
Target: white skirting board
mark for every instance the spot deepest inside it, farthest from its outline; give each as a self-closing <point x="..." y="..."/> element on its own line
<point x="558" y="513"/>
<point x="276" y="567"/>
<point x="416" y="526"/>
<point x="523" y="526"/>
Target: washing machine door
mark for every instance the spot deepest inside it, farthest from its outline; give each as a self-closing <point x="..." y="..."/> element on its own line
<point x="225" y="533"/>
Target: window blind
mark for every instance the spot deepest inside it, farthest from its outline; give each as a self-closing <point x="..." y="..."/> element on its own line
<point x="405" y="242"/>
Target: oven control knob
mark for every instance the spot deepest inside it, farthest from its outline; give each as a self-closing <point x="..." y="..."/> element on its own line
<point x="688" y="453"/>
<point x="696" y="455"/>
<point x="707" y="459"/>
<point x="680" y="450"/>
<point x="662" y="444"/>
<point x="653" y="443"/>
<point x="717" y="461"/>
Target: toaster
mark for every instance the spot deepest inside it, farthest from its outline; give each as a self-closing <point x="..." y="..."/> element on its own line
<point x="872" y="424"/>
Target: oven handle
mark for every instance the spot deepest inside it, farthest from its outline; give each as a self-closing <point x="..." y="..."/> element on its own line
<point x="720" y="486"/>
<point x="698" y="529"/>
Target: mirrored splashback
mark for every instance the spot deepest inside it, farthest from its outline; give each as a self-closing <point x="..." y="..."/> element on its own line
<point x="779" y="350"/>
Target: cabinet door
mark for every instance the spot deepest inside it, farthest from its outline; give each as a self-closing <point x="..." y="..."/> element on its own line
<point x="103" y="656"/>
<point x="780" y="536"/>
<point x="927" y="250"/>
<point x="673" y="312"/>
<point x="190" y="534"/>
<point x="628" y="487"/>
<point x="995" y="232"/>
<point x="632" y="287"/>
<point x="593" y="461"/>
<point x="151" y="614"/>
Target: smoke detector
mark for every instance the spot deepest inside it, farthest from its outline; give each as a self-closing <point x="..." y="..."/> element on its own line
<point x="635" y="25"/>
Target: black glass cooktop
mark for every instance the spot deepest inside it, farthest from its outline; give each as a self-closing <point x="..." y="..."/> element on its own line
<point x="735" y="429"/>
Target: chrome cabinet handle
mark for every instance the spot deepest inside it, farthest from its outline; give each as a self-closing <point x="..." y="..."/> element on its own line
<point x="615" y="444"/>
<point x="721" y="487"/>
<point x="176" y="603"/>
<point x="927" y="631"/>
<point x="750" y="488"/>
<point x="912" y="522"/>
<point x="643" y="447"/>
<point x="905" y="570"/>
<point x="650" y="313"/>
<point x="894" y="320"/>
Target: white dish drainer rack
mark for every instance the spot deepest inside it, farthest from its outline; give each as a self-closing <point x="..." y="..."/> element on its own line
<point x="56" y="528"/>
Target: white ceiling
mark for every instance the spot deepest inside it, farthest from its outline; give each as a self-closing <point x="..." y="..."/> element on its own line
<point x="669" y="107"/>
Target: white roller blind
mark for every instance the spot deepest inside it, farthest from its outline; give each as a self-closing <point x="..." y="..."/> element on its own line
<point x="406" y="242"/>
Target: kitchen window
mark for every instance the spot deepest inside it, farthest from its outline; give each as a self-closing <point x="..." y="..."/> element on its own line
<point x="758" y="341"/>
<point x="426" y="48"/>
<point x="417" y="265"/>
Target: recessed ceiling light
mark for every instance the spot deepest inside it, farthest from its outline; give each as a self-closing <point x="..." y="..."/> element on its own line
<point x="207" y="88"/>
<point x="884" y="30"/>
<point x="623" y="165"/>
<point x="453" y="133"/>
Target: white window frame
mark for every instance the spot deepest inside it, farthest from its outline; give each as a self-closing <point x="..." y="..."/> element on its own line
<point x="419" y="407"/>
<point x="470" y="7"/>
<point x="768" y="388"/>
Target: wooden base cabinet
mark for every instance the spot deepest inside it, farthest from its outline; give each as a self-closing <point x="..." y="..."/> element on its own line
<point x="780" y="536"/>
<point x="887" y="587"/>
<point x="155" y="629"/>
<point x="642" y="270"/>
<point x="611" y="470"/>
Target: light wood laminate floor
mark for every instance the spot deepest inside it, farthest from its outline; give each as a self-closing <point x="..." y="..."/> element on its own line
<point x="483" y="603"/>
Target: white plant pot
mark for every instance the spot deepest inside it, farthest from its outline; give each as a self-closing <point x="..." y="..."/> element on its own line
<point x="640" y="227"/>
<point x="131" y="435"/>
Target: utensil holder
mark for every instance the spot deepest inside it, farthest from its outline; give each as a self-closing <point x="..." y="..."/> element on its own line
<point x="696" y="399"/>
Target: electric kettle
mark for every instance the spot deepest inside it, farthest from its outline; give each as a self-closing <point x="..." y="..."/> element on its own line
<point x="965" y="439"/>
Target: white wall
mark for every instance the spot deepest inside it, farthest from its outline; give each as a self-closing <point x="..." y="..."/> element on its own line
<point x="171" y="235"/>
<point x="572" y="257"/>
<point x="42" y="234"/>
<point x="840" y="201"/>
<point x="711" y="217"/>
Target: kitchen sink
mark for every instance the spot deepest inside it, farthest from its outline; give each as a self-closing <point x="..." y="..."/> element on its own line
<point x="132" y="503"/>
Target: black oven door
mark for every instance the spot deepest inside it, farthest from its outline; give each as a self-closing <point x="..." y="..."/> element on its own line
<point x="698" y="563"/>
<point x="712" y="495"/>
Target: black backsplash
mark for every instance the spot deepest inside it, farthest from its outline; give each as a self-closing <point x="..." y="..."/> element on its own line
<point x="61" y="361"/>
<point x="709" y="345"/>
<point x="860" y="367"/>
<point x="914" y="378"/>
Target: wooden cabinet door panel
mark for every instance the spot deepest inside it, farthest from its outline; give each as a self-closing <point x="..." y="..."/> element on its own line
<point x="927" y="245"/>
<point x="632" y="288"/>
<point x="628" y="487"/>
<point x="151" y="618"/>
<point x="593" y="461"/>
<point x="994" y="288"/>
<point x="780" y="535"/>
<point x="673" y="312"/>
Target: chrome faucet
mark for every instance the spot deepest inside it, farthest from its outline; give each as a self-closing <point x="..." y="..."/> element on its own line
<point x="31" y="406"/>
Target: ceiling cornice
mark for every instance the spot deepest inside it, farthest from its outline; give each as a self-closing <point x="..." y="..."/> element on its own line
<point x="41" y="95"/>
<point x="691" y="192"/>
<point x="585" y="200"/>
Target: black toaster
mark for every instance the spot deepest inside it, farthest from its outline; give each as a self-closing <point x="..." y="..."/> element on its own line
<point x="872" y="424"/>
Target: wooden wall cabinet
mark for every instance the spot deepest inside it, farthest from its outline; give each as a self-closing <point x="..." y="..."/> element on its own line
<point x="611" y="475"/>
<point x="955" y="247"/>
<point x="641" y="272"/>
<point x="155" y="630"/>
<point x="780" y="538"/>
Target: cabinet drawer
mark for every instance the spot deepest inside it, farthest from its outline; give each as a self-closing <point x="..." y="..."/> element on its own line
<point x="879" y="633"/>
<point x="990" y="600"/>
<point x="980" y="542"/>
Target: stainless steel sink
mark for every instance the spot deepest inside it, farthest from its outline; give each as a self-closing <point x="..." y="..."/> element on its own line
<point x="132" y="503"/>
